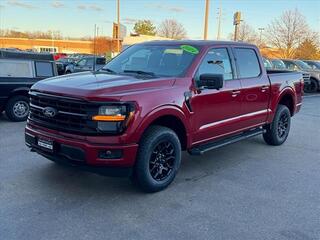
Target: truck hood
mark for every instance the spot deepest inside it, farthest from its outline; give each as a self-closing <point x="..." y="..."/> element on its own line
<point x="99" y="85"/>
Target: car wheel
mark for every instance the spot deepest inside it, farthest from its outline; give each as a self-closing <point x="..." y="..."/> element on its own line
<point x="17" y="108"/>
<point x="68" y="72"/>
<point x="158" y="159"/>
<point x="278" y="131"/>
<point x="311" y="87"/>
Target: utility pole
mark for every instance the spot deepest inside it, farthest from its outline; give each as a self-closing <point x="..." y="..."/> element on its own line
<point x="261" y="30"/>
<point x="219" y="23"/>
<point x="118" y="28"/>
<point x="205" y="32"/>
<point x="94" y="47"/>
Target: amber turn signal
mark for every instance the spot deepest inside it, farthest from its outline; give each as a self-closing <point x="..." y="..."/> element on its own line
<point x="115" y="118"/>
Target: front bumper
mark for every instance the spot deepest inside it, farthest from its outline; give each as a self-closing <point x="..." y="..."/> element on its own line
<point x="83" y="154"/>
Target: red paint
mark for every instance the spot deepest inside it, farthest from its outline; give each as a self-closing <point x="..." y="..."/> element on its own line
<point x="241" y="104"/>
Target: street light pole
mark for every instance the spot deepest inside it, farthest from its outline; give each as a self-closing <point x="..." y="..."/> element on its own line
<point x="118" y="28"/>
<point x="205" y="33"/>
<point x="219" y="23"/>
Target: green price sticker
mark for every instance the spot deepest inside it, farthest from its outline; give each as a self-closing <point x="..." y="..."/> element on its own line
<point x="189" y="49"/>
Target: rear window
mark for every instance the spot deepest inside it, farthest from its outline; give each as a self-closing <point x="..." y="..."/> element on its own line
<point x="44" y="69"/>
<point x="248" y="63"/>
<point x="101" y="61"/>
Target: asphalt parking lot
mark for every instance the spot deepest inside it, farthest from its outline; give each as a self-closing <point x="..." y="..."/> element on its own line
<point x="247" y="190"/>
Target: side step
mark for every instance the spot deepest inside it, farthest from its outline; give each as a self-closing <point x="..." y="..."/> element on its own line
<point x="198" y="150"/>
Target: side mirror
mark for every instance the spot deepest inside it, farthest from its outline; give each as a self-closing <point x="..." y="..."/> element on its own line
<point x="211" y="81"/>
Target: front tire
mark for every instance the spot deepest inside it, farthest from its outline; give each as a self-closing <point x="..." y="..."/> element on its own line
<point x="312" y="87"/>
<point x="278" y="131"/>
<point x="17" y="108"/>
<point x="158" y="159"/>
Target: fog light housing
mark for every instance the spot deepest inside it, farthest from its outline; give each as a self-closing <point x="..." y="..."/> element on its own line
<point x="110" y="154"/>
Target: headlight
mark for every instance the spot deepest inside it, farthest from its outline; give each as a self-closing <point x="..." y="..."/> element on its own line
<point x="114" y="118"/>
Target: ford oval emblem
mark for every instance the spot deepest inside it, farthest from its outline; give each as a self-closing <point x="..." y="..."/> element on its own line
<point x="49" y="112"/>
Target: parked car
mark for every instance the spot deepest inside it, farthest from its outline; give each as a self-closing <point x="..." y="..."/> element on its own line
<point x="298" y="65"/>
<point x="278" y="64"/>
<point x="135" y="115"/>
<point x="62" y="64"/>
<point x="18" y="72"/>
<point x="267" y="63"/>
<point x="313" y="64"/>
<point x="86" y="64"/>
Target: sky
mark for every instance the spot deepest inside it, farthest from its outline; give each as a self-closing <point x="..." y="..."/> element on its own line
<point x="76" y="18"/>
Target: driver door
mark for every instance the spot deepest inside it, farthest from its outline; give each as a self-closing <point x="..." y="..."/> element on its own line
<point x="216" y="112"/>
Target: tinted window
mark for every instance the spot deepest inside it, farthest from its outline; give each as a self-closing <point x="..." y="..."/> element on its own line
<point x="161" y="60"/>
<point x="44" y="69"/>
<point x="248" y="63"/>
<point x="89" y="62"/>
<point x="217" y="61"/>
<point x="15" y="69"/>
<point x="100" y="61"/>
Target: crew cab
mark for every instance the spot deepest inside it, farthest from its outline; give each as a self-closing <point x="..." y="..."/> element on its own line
<point x="135" y="116"/>
<point x="18" y="72"/>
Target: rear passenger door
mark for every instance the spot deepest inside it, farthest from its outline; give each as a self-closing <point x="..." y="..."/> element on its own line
<point x="255" y="87"/>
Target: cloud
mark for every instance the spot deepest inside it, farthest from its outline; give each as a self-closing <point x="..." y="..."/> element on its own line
<point x="21" y="4"/>
<point x="129" y="20"/>
<point x="167" y="8"/>
<point x="92" y="7"/>
<point x="57" y="4"/>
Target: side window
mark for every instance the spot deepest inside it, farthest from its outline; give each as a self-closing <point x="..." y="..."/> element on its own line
<point x="217" y="61"/>
<point x="248" y="63"/>
<point x="44" y="69"/>
<point x="15" y="69"/>
<point x="89" y="62"/>
<point x="82" y="62"/>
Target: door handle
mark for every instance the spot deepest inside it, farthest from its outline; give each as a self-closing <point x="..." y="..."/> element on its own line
<point x="264" y="88"/>
<point x="235" y="93"/>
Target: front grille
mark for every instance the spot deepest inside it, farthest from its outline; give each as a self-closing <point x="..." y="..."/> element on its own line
<point x="73" y="115"/>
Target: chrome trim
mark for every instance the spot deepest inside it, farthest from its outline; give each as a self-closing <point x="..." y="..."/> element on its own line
<point x="235" y="118"/>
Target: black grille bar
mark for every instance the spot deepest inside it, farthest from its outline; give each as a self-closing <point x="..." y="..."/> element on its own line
<point x="73" y="115"/>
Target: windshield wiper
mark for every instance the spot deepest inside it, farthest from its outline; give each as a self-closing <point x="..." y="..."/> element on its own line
<point x="107" y="70"/>
<point x="140" y="72"/>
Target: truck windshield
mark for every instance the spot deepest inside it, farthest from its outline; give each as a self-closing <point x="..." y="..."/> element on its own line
<point x="303" y="65"/>
<point x="153" y="60"/>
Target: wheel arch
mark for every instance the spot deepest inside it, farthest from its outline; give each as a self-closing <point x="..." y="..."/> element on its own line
<point x="167" y="116"/>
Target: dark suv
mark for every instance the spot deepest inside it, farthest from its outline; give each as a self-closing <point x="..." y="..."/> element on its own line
<point x="18" y="72"/>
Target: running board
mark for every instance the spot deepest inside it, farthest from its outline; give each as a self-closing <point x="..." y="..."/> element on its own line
<point x="201" y="149"/>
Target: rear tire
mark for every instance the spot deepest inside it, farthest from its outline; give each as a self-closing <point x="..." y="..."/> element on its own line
<point x="17" y="108"/>
<point x="278" y="131"/>
<point x="158" y="159"/>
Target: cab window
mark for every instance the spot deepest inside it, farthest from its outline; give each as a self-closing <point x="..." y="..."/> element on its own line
<point x="44" y="69"/>
<point x="216" y="61"/>
<point x="248" y="63"/>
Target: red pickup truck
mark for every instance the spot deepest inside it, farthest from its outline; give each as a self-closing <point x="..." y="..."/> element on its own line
<point x="135" y="115"/>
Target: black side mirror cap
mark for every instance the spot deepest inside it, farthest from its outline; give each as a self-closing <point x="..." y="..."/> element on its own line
<point x="211" y="81"/>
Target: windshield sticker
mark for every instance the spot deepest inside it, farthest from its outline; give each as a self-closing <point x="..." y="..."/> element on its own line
<point x="189" y="49"/>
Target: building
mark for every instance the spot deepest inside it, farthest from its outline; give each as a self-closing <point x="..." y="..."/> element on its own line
<point x="102" y="45"/>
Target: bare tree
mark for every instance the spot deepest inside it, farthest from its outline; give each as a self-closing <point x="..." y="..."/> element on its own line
<point x="287" y="32"/>
<point x="170" y="28"/>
